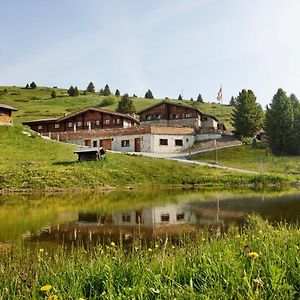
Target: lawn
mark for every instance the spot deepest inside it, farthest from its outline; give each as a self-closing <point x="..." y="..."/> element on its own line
<point x="31" y="162"/>
<point x="256" y="159"/>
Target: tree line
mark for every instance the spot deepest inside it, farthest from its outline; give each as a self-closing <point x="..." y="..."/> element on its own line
<point x="280" y="121"/>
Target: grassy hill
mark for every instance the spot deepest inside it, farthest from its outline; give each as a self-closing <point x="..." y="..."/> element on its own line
<point x="257" y="159"/>
<point x="31" y="162"/>
<point x="37" y="103"/>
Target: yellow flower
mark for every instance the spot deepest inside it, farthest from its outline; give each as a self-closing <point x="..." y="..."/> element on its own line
<point x="113" y="244"/>
<point x="80" y="299"/>
<point x="41" y="250"/>
<point x="245" y="279"/>
<point x="156" y="246"/>
<point x="52" y="297"/>
<point x="46" y="288"/>
<point x="149" y="249"/>
<point x="173" y="247"/>
<point x="253" y="255"/>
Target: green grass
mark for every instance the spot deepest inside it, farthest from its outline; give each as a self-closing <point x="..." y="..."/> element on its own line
<point x="36" y="163"/>
<point x="38" y="104"/>
<point x="198" y="266"/>
<point x="256" y="159"/>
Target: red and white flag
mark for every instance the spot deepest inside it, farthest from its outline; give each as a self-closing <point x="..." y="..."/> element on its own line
<point x="219" y="96"/>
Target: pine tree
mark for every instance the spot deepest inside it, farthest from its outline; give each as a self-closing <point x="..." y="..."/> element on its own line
<point x="192" y="99"/>
<point x="199" y="99"/>
<point x="279" y="124"/>
<point x="117" y="93"/>
<point x="179" y="97"/>
<point x="125" y="105"/>
<point x="53" y="94"/>
<point x="101" y="92"/>
<point x="90" y="88"/>
<point x="232" y="101"/>
<point x="33" y="85"/>
<point x="71" y="91"/>
<point x="247" y="116"/>
<point x="106" y="91"/>
<point x="149" y="95"/>
<point x="76" y="92"/>
<point x="27" y="86"/>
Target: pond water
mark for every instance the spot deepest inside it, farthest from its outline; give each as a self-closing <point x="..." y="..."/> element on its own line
<point x="89" y="218"/>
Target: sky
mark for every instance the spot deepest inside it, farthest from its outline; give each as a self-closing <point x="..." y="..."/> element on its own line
<point x="169" y="46"/>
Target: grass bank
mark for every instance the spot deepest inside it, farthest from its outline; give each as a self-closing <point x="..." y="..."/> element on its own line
<point x="255" y="159"/>
<point x="31" y="162"/>
<point x="202" y="266"/>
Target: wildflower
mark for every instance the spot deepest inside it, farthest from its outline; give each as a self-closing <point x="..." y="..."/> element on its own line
<point x="150" y="249"/>
<point x="80" y="299"/>
<point x="173" y="247"/>
<point x="245" y="279"/>
<point x="258" y="282"/>
<point x="46" y="288"/>
<point x="52" y="297"/>
<point x="112" y="244"/>
<point x="156" y="246"/>
<point x="41" y="250"/>
<point x="253" y="255"/>
<point x="203" y="239"/>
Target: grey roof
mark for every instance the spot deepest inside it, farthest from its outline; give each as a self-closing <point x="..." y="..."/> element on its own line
<point x="7" y="107"/>
<point x="40" y="120"/>
<point x="90" y="149"/>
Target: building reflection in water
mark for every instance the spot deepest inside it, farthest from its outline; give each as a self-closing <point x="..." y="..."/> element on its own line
<point x="173" y="220"/>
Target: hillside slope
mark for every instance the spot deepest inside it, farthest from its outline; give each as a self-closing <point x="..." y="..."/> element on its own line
<point x="38" y="104"/>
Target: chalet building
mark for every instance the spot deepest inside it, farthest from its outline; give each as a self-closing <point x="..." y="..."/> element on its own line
<point x="6" y="114"/>
<point x="84" y="120"/>
<point x="153" y="139"/>
<point x="174" y="114"/>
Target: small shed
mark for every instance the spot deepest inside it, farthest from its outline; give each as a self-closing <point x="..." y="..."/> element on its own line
<point x="6" y="114"/>
<point x="87" y="154"/>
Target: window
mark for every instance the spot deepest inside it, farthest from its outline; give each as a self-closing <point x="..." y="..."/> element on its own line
<point x="118" y="121"/>
<point x="126" y="218"/>
<point x="107" y="122"/>
<point x="178" y="142"/>
<point x="79" y="124"/>
<point x="180" y="216"/>
<point x="40" y="126"/>
<point x="175" y="116"/>
<point x="148" y="118"/>
<point x="56" y="125"/>
<point x="125" y="143"/>
<point x="95" y="144"/>
<point x="187" y="115"/>
<point x="158" y="117"/>
<point x="163" y="142"/>
<point x="204" y="118"/>
<point x="97" y="122"/>
<point x="70" y="124"/>
<point x="165" y="217"/>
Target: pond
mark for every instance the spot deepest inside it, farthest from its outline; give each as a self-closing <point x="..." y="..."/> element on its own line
<point x="53" y="220"/>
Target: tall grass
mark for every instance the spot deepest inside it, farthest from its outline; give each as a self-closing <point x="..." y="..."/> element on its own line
<point x="202" y="266"/>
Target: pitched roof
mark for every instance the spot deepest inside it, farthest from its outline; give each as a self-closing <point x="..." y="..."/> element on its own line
<point x="98" y="110"/>
<point x="177" y="104"/>
<point x="7" y="107"/>
<point x="59" y="119"/>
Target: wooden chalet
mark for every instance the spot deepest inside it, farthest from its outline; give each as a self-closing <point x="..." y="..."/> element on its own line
<point x="6" y="114"/>
<point x="84" y="120"/>
<point x="177" y="114"/>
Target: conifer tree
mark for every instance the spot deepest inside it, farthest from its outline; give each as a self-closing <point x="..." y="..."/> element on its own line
<point x="149" y="95"/>
<point x="101" y="92"/>
<point x="106" y="91"/>
<point x="27" y="86"/>
<point x="33" y="85"/>
<point x="232" y="101"/>
<point x="279" y="124"/>
<point x="71" y="91"/>
<point x="90" y="88"/>
<point x="126" y="105"/>
<point x="247" y="116"/>
<point x="76" y="91"/>
<point x="199" y="99"/>
<point x="117" y="93"/>
<point x="179" y="97"/>
<point x="53" y="94"/>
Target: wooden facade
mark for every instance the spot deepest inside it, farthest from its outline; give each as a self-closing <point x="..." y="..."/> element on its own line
<point x="6" y="114"/>
<point x="83" y="120"/>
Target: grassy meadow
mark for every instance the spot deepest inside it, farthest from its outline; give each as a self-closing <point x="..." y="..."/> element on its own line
<point x="38" y="104"/>
<point x="255" y="262"/>
<point x="256" y="159"/>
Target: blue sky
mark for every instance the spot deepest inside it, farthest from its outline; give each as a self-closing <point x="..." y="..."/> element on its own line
<point x="165" y="45"/>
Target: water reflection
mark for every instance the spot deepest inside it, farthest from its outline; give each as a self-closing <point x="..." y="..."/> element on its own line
<point x="102" y="218"/>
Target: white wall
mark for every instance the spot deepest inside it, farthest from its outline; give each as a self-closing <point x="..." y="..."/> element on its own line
<point x="188" y="141"/>
<point x="207" y="136"/>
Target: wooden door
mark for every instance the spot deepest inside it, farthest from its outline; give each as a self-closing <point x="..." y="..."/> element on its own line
<point x="137" y="145"/>
<point x="106" y="144"/>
